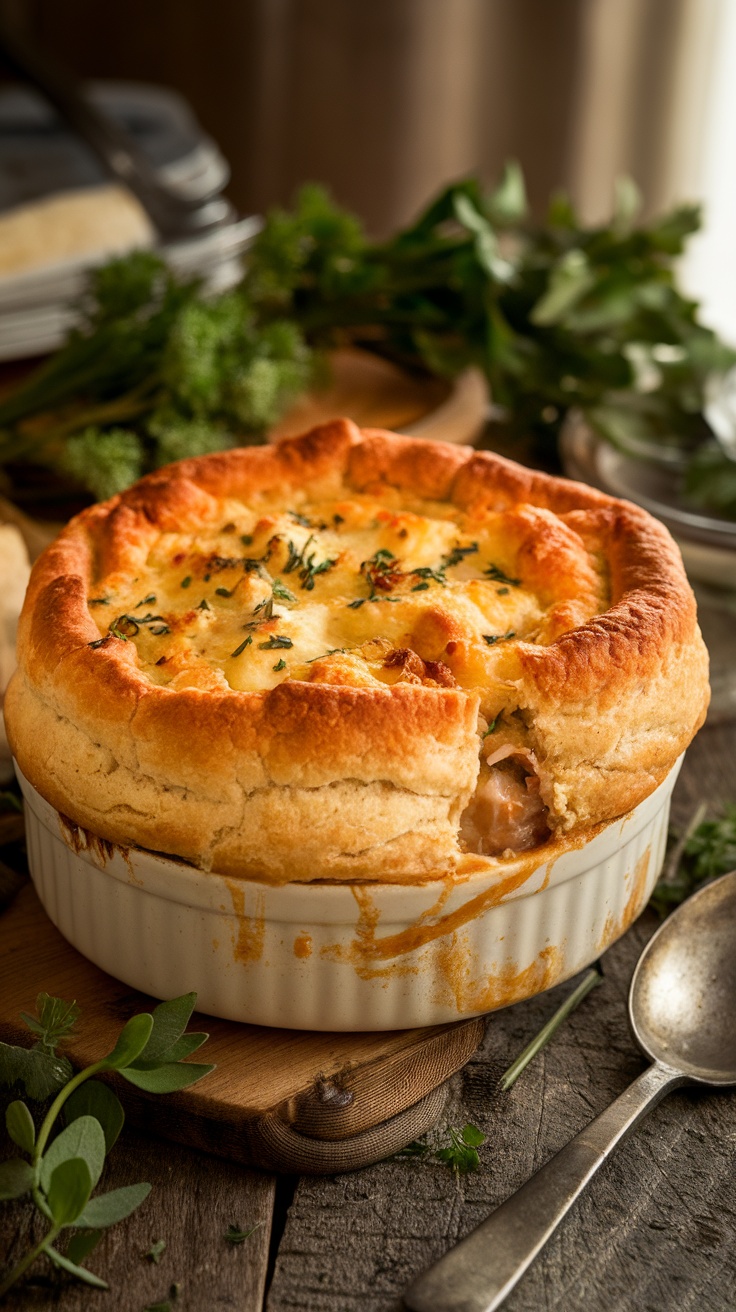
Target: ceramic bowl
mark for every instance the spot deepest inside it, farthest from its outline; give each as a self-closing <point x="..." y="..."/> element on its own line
<point x="357" y="956"/>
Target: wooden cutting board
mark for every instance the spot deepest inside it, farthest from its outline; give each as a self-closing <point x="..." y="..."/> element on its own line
<point x="286" y="1100"/>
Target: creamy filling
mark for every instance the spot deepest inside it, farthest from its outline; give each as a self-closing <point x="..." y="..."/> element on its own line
<point x="506" y="812"/>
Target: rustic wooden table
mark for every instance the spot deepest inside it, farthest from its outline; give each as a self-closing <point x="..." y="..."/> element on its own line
<point x="656" y="1229"/>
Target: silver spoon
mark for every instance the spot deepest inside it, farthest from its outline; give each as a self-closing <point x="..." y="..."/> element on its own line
<point x="681" y="1008"/>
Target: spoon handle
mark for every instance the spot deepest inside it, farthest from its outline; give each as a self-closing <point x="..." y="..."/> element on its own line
<point x="478" y="1273"/>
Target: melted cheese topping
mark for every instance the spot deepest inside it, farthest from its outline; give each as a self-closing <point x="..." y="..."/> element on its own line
<point x="360" y="591"/>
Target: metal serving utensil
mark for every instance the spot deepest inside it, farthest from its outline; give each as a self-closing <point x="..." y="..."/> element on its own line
<point x="173" y="212"/>
<point x="681" y="1008"/>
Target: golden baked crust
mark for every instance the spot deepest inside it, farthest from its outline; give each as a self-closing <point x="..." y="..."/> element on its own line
<point x="322" y="660"/>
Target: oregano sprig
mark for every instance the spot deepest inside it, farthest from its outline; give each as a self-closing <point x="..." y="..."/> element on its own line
<point x="63" y="1171"/>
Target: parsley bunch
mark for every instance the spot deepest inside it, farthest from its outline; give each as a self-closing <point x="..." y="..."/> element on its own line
<point x="557" y="315"/>
<point x="705" y="850"/>
<point x="61" y="1168"/>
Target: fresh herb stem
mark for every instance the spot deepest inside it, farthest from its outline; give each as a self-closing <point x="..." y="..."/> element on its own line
<point x="590" y="980"/>
<point x="29" y="1259"/>
<point x="672" y="863"/>
<point x="48" y="1121"/>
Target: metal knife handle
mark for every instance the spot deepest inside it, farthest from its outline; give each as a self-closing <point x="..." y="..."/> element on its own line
<point x="478" y="1273"/>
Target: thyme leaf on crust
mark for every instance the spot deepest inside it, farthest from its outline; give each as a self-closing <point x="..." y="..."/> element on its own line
<point x="280" y="665"/>
<point x="492" y="638"/>
<point x="239" y="650"/>
<point x="281" y="592"/>
<point x="275" y="641"/>
<point x="496" y="575"/>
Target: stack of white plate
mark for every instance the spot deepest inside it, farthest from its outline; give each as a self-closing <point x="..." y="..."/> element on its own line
<point x="40" y="158"/>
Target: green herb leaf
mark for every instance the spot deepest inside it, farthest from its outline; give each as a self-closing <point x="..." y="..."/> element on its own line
<point x="73" y="1269"/>
<point x="40" y="1072"/>
<point x="472" y="1136"/>
<point x="497" y="575"/>
<point x="107" y="1209"/>
<point x="493" y="638"/>
<point x="55" y="1019"/>
<point x="239" y="650"/>
<point x="169" y="1022"/>
<point x="168" y="1078"/>
<point x="68" y="1190"/>
<point x="20" y="1127"/>
<point x="234" y="1235"/>
<point x="281" y="592"/>
<point x="279" y="666"/>
<point x="131" y="1043"/>
<point x="16" y="1178"/>
<point x="81" y="1245"/>
<point x="706" y="850"/>
<point x="154" y="1252"/>
<point x="274" y="642"/>
<point x="93" y="1098"/>
<point x="82" y="1139"/>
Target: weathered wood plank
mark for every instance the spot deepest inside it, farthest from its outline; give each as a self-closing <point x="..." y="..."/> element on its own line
<point x="193" y="1201"/>
<point x="655" y="1230"/>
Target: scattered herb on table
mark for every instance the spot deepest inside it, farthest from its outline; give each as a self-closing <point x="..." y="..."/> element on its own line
<point x="591" y="979"/>
<point x="61" y="1172"/>
<point x="558" y="315"/>
<point x="234" y="1235"/>
<point x="155" y="1251"/>
<point x="705" y="850"/>
<point x="458" y="1149"/>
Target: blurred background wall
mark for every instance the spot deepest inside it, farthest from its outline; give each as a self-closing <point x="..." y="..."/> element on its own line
<point x="384" y="100"/>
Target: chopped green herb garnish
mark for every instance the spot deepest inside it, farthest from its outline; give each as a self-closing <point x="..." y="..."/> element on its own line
<point x="239" y="650"/>
<point x="420" y="587"/>
<point x="155" y="1251"/>
<point x="159" y="630"/>
<point x="310" y="571"/>
<point x="491" y="727"/>
<point x="300" y="519"/>
<point x="247" y="539"/>
<point x="280" y="665"/>
<point x="425" y="572"/>
<point x="492" y="638"/>
<point x="353" y="605"/>
<point x="502" y="592"/>
<point x="497" y="575"/>
<point x="203" y="605"/>
<point x="150" y="600"/>
<point x="99" y="642"/>
<point x="266" y="606"/>
<point x="337" y="520"/>
<point x="116" y="633"/>
<point x="458" y="554"/>
<point x="281" y="592"/>
<point x="185" y="582"/>
<point x="224" y="592"/>
<point x="98" y="601"/>
<point x="275" y="641"/>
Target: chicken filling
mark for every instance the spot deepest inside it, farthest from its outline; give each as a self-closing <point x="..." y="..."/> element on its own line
<point x="506" y="813"/>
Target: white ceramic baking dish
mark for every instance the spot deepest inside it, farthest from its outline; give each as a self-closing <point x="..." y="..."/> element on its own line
<point x="346" y="956"/>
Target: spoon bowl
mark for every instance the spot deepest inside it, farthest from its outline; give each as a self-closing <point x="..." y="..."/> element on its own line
<point x="682" y="1000"/>
<point x="682" y="1008"/>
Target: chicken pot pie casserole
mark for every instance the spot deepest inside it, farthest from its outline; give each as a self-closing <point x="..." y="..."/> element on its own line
<point x="354" y="656"/>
